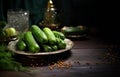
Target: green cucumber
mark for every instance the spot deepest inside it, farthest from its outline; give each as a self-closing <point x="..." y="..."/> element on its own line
<point x="31" y="42"/>
<point x="50" y="35"/>
<point x="21" y="45"/>
<point x="59" y="35"/>
<point x="39" y="35"/>
<point x="54" y="47"/>
<point x="61" y="43"/>
<point x="46" y="48"/>
<point x="73" y="30"/>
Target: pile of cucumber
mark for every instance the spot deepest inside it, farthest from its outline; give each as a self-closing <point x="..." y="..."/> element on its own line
<point x="41" y="40"/>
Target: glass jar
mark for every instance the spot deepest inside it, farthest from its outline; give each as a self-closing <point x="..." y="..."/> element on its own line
<point x="19" y="19"/>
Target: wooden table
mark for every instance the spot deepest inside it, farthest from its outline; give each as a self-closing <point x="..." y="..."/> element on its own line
<point x="88" y="58"/>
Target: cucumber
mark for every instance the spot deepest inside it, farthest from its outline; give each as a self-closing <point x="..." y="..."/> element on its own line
<point x="54" y="47"/>
<point x="58" y="40"/>
<point x="50" y="35"/>
<point x="46" y="48"/>
<point x="31" y="42"/>
<point x="59" y="35"/>
<point x="21" y="45"/>
<point x="61" y="43"/>
<point x="39" y="35"/>
<point x="73" y="30"/>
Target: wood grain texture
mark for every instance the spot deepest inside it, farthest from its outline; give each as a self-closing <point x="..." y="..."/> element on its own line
<point x="88" y="58"/>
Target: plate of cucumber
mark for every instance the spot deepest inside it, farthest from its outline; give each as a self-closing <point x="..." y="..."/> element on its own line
<point x="75" y="31"/>
<point x="12" y="47"/>
<point x="39" y="41"/>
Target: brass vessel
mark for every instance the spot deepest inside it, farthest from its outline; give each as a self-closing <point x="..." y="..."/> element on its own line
<point x="50" y="16"/>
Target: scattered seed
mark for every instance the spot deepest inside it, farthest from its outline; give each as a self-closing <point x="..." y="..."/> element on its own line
<point x="60" y="65"/>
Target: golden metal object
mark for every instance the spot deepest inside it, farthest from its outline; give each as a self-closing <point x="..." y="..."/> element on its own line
<point x="50" y="16"/>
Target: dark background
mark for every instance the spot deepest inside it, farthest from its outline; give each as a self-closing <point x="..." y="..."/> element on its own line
<point x="100" y="16"/>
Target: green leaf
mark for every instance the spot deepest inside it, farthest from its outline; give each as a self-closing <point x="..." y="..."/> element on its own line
<point x="7" y="62"/>
<point x="2" y="47"/>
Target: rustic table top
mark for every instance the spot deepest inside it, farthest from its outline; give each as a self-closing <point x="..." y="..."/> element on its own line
<point x="88" y="58"/>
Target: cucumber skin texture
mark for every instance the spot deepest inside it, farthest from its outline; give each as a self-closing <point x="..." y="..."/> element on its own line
<point x="73" y="30"/>
<point x="31" y="42"/>
<point x="54" y="47"/>
<point x="46" y="48"/>
<point x="61" y="43"/>
<point x="39" y="35"/>
<point x="21" y="45"/>
<point x="59" y="35"/>
<point x="50" y="35"/>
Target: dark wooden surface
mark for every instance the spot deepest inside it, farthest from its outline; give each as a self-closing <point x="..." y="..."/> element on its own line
<point x="88" y="58"/>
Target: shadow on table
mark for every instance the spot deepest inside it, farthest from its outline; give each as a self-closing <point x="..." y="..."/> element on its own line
<point x="42" y="60"/>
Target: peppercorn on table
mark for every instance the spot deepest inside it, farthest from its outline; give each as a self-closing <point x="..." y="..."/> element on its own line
<point x="88" y="58"/>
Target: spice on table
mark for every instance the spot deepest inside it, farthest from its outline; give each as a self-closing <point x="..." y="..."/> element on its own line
<point x="77" y="62"/>
<point x="60" y="65"/>
<point x="111" y="56"/>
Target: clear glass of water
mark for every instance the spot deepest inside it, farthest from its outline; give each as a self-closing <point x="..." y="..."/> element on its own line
<point x="19" y="19"/>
